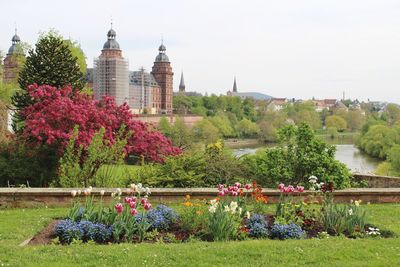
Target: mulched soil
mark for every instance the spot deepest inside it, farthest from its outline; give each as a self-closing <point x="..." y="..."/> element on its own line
<point x="45" y="236"/>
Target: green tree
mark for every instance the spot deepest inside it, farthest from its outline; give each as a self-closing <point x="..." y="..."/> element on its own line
<point x="164" y="126"/>
<point x="378" y="140"/>
<point x="337" y="122"/>
<point x="392" y="113"/>
<point x="268" y="132"/>
<point x="309" y="117"/>
<point x="247" y="128"/>
<point x="394" y="158"/>
<point x="205" y="131"/>
<point x="332" y="132"/>
<point x="355" y="120"/>
<point x="223" y="124"/>
<point x="180" y="134"/>
<point x="51" y="63"/>
<point x="182" y="104"/>
<point x="77" y="52"/>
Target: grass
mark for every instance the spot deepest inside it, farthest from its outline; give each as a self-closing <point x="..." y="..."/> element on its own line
<point x="16" y="225"/>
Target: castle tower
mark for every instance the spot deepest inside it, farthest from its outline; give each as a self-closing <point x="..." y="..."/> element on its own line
<point x="162" y="72"/>
<point x="234" y="86"/>
<point x="182" y="84"/>
<point x="12" y="60"/>
<point x="111" y="72"/>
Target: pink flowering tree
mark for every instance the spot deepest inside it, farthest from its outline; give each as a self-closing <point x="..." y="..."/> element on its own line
<point x="50" y="121"/>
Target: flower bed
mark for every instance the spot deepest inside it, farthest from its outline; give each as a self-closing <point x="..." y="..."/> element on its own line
<point x="238" y="213"/>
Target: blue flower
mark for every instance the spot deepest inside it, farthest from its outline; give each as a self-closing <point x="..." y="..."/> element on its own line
<point x="68" y="230"/>
<point x="258" y="226"/>
<point x="286" y="231"/>
<point x="161" y="217"/>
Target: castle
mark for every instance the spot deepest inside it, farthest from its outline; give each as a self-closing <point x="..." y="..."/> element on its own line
<point x="12" y="60"/>
<point x="144" y="92"/>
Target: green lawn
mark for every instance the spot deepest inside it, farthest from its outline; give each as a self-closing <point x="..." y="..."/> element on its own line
<point x="16" y="225"/>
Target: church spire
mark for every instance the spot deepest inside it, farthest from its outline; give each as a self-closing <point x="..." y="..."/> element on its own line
<point x="182" y="84"/>
<point x="234" y="86"/>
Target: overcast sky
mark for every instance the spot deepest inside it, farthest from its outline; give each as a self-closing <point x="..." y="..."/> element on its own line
<point x="299" y="48"/>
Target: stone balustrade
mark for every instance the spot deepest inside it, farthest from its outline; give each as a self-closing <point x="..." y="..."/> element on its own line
<point x="50" y="197"/>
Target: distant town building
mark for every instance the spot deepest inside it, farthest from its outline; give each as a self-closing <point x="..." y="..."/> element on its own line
<point x="110" y="74"/>
<point x="320" y="105"/>
<point x="277" y="104"/>
<point x="12" y="60"/>
<point x="244" y="95"/>
<point x="162" y="72"/>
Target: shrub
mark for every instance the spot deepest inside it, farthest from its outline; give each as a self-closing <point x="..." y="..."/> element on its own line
<point x="192" y="169"/>
<point x="299" y="155"/>
<point x="162" y="217"/>
<point x="286" y="231"/>
<point x="257" y="226"/>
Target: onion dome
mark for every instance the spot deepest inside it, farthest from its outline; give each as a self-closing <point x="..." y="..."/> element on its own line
<point x="14" y="48"/>
<point x="111" y="42"/>
<point x="162" y="57"/>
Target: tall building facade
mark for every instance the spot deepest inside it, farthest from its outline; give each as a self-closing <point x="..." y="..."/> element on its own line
<point x="111" y="72"/>
<point x="13" y="60"/>
<point x="144" y="93"/>
<point x="162" y="72"/>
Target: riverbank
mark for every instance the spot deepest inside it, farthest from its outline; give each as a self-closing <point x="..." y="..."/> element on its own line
<point x="242" y="143"/>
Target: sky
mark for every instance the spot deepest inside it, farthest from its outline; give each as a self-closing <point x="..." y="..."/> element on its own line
<point x="287" y="48"/>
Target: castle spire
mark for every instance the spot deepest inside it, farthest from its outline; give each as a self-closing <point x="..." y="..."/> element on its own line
<point x="182" y="84"/>
<point x="234" y="85"/>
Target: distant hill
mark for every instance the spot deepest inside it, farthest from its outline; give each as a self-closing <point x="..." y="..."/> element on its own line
<point x="255" y="95"/>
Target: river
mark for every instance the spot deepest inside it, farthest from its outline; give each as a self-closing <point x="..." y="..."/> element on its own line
<point x="349" y="154"/>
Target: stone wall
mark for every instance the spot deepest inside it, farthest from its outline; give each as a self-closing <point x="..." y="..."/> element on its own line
<point x="189" y="120"/>
<point x="41" y="197"/>
<point x="375" y="181"/>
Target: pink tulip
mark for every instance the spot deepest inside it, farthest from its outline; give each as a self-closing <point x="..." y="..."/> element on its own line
<point x="143" y="201"/>
<point x="133" y="212"/>
<point x="119" y="208"/>
<point x="147" y="206"/>
<point x="221" y="187"/>
<point x="237" y="184"/>
<point x="127" y="200"/>
<point x="226" y="192"/>
<point x="132" y="205"/>
<point x="247" y="186"/>
<point x="221" y="193"/>
<point x="234" y="193"/>
<point x="300" y="189"/>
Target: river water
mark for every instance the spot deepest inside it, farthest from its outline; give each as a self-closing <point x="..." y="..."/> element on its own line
<point x="349" y="154"/>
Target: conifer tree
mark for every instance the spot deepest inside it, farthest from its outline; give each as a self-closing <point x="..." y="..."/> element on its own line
<point x="51" y="63"/>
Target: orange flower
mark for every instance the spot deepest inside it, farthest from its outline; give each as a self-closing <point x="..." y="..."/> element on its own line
<point x="188" y="204"/>
<point x="241" y="192"/>
<point x="187" y="196"/>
